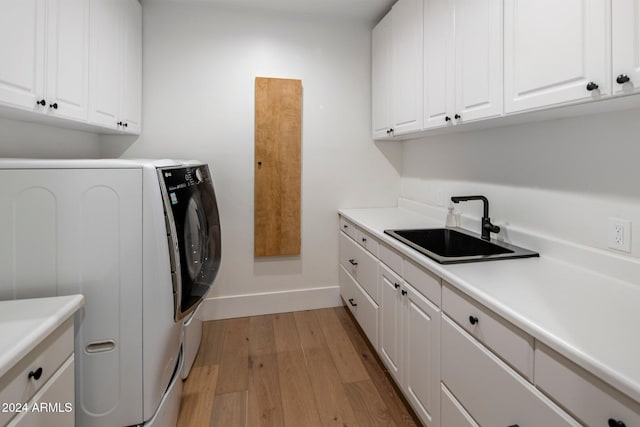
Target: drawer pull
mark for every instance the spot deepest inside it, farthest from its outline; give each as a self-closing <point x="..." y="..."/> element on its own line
<point x="353" y="262"/>
<point x="473" y="320"/>
<point x="515" y="425"/>
<point x="353" y="304"/>
<point x="364" y="240"/>
<point x="345" y="226"/>
<point x="616" y="423"/>
<point x="38" y="373"/>
<point x="396" y="285"/>
<point x="404" y="292"/>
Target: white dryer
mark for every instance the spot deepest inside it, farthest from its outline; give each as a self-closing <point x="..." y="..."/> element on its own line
<point x="141" y="241"/>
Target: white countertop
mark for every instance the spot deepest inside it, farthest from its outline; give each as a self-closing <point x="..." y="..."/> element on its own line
<point x="588" y="317"/>
<point x="25" y="323"/>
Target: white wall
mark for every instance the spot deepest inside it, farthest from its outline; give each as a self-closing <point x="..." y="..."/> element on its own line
<point x="563" y="178"/>
<point x="200" y="63"/>
<point x="26" y="139"/>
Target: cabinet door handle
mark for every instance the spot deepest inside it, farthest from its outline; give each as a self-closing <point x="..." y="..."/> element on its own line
<point x="54" y="105"/>
<point x="125" y="124"/>
<point x="41" y="102"/>
<point x="457" y="116"/>
<point x="473" y="320"/>
<point x="447" y="118"/>
<point x="345" y="226"/>
<point x="364" y="240"/>
<point x="119" y="123"/>
<point x="592" y="86"/>
<point x="515" y="425"/>
<point x="353" y="262"/>
<point x="353" y="304"/>
<point x="622" y="79"/>
<point x="396" y="285"/>
<point x="36" y="374"/>
<point x="616" y="423"/>
<point x="403" y="292"/>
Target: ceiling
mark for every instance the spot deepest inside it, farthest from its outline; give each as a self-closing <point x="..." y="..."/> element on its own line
<point x="367" y="10"/>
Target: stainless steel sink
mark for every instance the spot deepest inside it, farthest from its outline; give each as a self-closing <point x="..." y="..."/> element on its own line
<point x="455" y="245"/>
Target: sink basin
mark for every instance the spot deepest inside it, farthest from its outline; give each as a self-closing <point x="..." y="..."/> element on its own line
<point x="455" y="245"/>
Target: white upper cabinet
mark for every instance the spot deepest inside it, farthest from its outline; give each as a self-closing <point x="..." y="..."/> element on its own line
<point x="115" y="65"/>
<point x="626" y="46"/>
<point x="22" y="69"/>
<point x="407" y="81"/>
<point x="478" y="35"/>
<point x="45" y="56"/>
<point x="555" y="52"/>
<point x="439" y="63"/>
<point x="462" y="61"/>
<point x="68" y="58"/>
<point x="396" y="73"/>
<point x="381" y="72"/>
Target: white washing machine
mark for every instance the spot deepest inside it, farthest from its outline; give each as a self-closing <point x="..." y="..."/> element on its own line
<point x="141" y="241"/>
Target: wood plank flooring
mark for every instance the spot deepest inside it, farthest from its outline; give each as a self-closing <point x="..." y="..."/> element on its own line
<point x="308" y="368"/>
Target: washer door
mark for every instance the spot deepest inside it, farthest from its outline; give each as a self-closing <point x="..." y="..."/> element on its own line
<point x="192" y="216"/>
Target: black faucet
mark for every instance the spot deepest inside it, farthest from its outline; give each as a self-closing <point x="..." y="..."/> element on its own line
<point x="487" y="227"/>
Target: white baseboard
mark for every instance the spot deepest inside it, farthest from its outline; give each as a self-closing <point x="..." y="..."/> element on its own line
<point x="269" y="303"/>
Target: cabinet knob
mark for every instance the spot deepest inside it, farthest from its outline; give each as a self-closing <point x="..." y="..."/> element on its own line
<point x="457" y="116"/>
<point x="473" y="320"/>
<point x="344" y="226"/>
<point x="622" y="79"/>
<point x="353" y="304"/>
<point x="391" y="130"/>
<point x="120" y="123"/>
<point x="353" y="262"/>
<point x="592" y="86"/>
<point x="616" y="423"/>
<point x="54" y="105"/>
<point x="41" y="102"/>
<point x="403" y="292"/>
<point x="515" y="425"/>
<point x="125" y="124"/>
<point x="396" y="285"/>
<point x="447" y="118"/>
<point x="38" y="373"/>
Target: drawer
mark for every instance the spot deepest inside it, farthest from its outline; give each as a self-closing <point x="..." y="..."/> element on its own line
<point x="49" y="355"/>
<point x="390" y="257"/>
<point x="367" y="241"/>
<point x="588" y="398"/>
<point x="347" y="227"/>
<point x="58" y="391"/>
<point x="364" y="309"/>
<point x="425" y="282"/>
<point x="493" y="393"/>
<point x="509" y="342"/>
<point x="360" y="264"/>
<point x="452" y="413"/>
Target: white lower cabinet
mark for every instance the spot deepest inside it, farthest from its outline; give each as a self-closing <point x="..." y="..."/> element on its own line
<point x="589" y="399"/>
<point x="421" y="355"/>
<point x="363" y="308"/>
<point x="488" y="389"/>
<point x="390" y="320"/>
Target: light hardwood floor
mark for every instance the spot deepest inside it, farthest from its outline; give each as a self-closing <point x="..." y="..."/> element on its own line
<point x="308" y="368"/>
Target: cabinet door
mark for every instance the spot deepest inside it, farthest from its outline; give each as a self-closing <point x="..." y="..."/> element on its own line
<point x="626" y="45"/>
<point x="421" y="350"/>
<point x="381" y="52"/>
<point x="131" y="100"/>
<point x="390" y="321"/>
<point x="439" y="91"/>
<point x="407" y="80"/>
<point x="478" y="35"/>
<point x="68" y="58"/>
<point x="553" y="50"/>
<point x="105" y="69"/>
<point x="22" y="29"/>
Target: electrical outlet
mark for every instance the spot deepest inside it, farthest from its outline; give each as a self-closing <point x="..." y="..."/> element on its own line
<point x="619" y="236"/>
